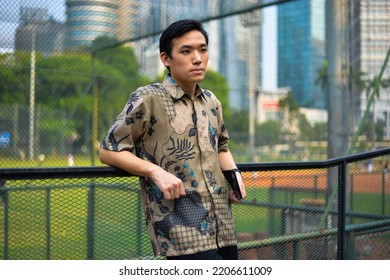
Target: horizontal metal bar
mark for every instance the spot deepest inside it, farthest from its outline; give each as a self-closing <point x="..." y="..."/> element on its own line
<point x="272" y="166"/>
<point x="62" y="172"/>
<point x="360" y="229"/>
<point x="313" y="209"/>
<point x="108" y="171"/>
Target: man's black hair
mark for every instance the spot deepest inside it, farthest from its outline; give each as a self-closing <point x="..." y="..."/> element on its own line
<point x="178" y="29"/>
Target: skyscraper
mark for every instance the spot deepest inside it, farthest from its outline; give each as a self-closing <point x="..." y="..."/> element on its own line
<point x="49" y="34"/>
<point x="301" y="50"/>
<point x="374" y="26"/>
<point x="234" y="41"/>
<point x="88" y="19"/>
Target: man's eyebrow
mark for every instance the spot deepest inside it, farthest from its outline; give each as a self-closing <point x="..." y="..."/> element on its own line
<point x="192" y="46"/>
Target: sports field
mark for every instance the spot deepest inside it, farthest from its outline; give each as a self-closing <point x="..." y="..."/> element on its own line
<point x="106" y="221"/>
<point x="362" y="182"/>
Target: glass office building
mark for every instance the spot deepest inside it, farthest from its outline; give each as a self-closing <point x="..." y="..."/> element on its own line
<point x="87" y="20"/>
<point x="301" y="50"/>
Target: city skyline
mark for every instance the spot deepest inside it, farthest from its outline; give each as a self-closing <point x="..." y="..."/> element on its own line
<point x="57" y="11"/>
<point x="369" y="44"/>
<point x="9" y="17"/>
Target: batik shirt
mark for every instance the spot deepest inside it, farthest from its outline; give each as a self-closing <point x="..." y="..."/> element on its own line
<point x="162" y="125"/>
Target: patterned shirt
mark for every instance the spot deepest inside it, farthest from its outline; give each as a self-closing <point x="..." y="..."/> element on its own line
<point x="162" y="125"/>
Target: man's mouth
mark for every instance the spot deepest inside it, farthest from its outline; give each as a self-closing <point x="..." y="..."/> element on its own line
<point x="197" y="70"/>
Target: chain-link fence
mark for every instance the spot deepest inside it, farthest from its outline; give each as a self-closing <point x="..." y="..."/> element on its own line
<point x="321" y="210"/>
<point x="282" y="70"/>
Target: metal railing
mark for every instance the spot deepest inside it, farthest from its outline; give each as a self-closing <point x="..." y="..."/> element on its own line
<point x="290" y="211"/>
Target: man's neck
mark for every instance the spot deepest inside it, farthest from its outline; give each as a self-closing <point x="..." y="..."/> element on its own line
<point x="190" y="90"/>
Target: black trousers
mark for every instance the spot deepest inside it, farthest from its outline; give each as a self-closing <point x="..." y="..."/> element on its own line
<point x="224" y="253"/>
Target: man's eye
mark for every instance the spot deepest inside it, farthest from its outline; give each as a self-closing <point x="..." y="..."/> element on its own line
<point x="204" y="50"/>
<point x="185" y="51"/>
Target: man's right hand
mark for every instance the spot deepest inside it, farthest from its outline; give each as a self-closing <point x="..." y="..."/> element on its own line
<point x="171" y="186"/>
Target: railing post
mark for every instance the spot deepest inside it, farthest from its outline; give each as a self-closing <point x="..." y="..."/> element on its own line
<point x="48" y="225"/>
<point x="283" y="247"/>
<point x="383" y="191"/>
<point x="139" y="226"/>
<point x="351" y="192"/>
<point x="297" y="250"/>
<point x="351" y="246"/>
<point x="271" y="217"/>
<point x="342" y="190"/>
<point x="91" y="222"/>
<point x="6" y="223"/>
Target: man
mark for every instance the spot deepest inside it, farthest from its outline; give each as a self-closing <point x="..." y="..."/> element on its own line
<point x="177" y="132"/>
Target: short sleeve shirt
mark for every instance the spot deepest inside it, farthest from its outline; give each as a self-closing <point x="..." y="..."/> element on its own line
<point x="161" y="124"/>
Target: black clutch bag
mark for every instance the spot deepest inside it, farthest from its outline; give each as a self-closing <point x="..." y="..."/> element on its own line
<point x="231" y="178"/>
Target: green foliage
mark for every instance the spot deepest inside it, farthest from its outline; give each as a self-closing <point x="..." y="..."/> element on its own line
<point x="8" y="81"/>
<point x="375" y="131"/>
<point x="64" y="83"/>
<point x="322" y="75"/>
<point x="15" y="77"/>
<point x="307" y="132"/>
<point x="289" y="103"/>
<point x="237" y="123"/>
<point x="121" y="57"/>
<point x="217" y="84"/>
<point x="62" y="77"/>
<point x="55" y="129"/>
<point x="320" y="131"/>
<point x="268" y="133"/>
<point x="65" y="88"/>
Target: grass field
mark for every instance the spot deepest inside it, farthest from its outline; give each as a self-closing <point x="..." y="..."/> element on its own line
<point x="48" y="161"/>
<point x="106" y="222"/>
<point x="67" y="216"/>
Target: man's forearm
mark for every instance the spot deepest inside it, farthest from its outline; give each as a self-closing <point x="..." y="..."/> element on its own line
<point x="127" y="161"/>
<point x="226" y="160"/>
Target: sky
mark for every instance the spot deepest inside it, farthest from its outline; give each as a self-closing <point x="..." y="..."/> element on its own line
<point x="9" y="9"/>
<point x="269" y="54"/>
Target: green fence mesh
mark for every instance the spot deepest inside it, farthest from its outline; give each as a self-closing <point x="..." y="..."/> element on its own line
<point x="283" y="217"/>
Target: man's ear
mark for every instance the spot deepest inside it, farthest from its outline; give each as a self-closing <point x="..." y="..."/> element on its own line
<point x="165" y="59"/>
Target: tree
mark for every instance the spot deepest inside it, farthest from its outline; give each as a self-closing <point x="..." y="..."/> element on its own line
<point x="322" y="75"/>
<point x="8" y="79"/>
<point x="217" y="84"/>
<point x="289" y="103"/>
<point x="15" y="77"/>
<point x="63" y="89"/>
<point x="237" y="123"/>
<point x="305" y="131"/>
<point x="268" y="133"/>
<point x="290" y="108"/>
<point x="121" y="57"/>
<point x="320" y="132"/>
<point x="305" y="128"/>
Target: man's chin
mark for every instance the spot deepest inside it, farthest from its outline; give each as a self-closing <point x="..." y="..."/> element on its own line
<point x="198" y="79"/>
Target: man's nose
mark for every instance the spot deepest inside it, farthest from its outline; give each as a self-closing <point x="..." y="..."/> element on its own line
<point x="197" y="58"/>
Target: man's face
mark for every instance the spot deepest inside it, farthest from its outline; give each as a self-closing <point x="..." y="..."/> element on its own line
<point x="189" y="58"/>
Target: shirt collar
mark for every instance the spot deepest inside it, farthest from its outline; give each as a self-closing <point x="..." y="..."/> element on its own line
<point x="176" y="91"/>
